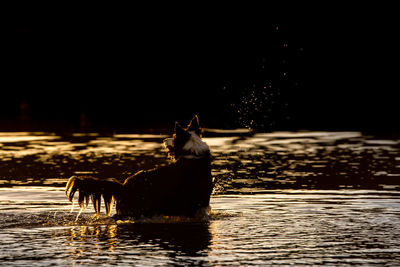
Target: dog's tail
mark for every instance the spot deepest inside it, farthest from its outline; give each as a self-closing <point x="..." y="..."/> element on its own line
<point x="94" y="188"/>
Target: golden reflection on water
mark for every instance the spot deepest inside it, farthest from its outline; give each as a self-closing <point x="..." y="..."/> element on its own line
<point x="242" y="161"/>
<point x="104" y="236"/>
<point x="274" y="227"/>
<point x="261" y="210"/>
<point x="188" y="238"/>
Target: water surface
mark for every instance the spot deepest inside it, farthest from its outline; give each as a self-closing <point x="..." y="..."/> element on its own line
<point x="280" y="198"/>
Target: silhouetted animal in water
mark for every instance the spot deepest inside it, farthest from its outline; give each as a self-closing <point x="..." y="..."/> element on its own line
<point x="180" y="188"/>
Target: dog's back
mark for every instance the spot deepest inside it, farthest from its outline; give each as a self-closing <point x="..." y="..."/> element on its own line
<point x="181" y="188"/>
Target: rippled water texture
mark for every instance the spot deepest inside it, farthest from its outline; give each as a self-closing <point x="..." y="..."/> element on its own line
<point x="281" y="198"/>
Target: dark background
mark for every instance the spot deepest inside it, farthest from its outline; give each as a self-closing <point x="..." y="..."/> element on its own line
<point x="142" y="69"/>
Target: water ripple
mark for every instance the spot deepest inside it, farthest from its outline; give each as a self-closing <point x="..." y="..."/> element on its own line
<point x="307" y="198"/>
<point x="277" y="227"/>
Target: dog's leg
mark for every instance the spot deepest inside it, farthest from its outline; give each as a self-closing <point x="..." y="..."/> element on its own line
<point x="91" y="187"/>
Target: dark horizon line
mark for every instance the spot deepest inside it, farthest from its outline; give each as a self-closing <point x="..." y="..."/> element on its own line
<point x="69" y="127"/>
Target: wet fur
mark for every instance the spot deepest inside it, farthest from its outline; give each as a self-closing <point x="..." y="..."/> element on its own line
<point x="180" y="188"/>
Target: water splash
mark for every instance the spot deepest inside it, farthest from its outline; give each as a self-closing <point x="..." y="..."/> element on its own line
<point x="79" y="213"/>
<point x="260" y="106"/>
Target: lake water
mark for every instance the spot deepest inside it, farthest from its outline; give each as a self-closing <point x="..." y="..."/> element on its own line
<point x="301" y="198"/>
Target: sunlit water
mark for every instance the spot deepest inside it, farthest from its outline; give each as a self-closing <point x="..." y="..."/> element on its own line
<point x="281" y="198"/>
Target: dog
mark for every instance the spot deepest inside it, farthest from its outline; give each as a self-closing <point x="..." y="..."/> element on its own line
<point x="182" y="188"/>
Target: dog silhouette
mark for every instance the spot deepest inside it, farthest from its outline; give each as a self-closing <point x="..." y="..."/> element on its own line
<point x="182" y="188"/>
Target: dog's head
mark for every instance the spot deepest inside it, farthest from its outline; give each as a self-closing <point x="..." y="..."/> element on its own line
<point x="186" y="142"/>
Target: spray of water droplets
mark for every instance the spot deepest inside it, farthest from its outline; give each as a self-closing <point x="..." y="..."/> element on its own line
<point x="259" y="106"/>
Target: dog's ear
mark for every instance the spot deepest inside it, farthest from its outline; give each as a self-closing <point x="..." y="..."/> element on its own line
<point x="179" y="131"/>
<point x="194" y="125"/>
<point x="181" y="136"/>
